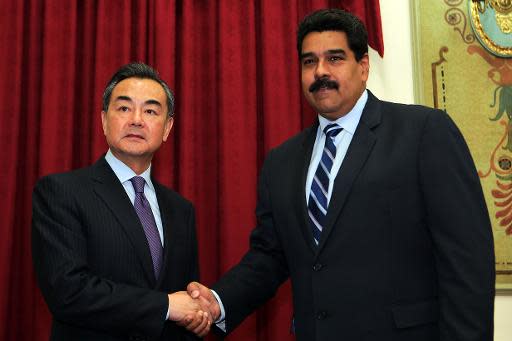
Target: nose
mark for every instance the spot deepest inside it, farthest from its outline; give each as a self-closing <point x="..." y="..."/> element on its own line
<point x="322" y="69"/>
<point x="137" y="117"/>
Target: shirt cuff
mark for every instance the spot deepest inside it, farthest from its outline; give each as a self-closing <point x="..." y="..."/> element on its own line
<point x="221" y="321"/>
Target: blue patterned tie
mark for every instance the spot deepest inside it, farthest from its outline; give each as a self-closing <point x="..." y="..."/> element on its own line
<point x="317" y="205"/>
<point x="147" y="220"/>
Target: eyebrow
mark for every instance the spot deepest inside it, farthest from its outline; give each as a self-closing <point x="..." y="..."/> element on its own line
<point x="334" y="51"/>
<point x="306" y="55"/>
<point x="153" y="101"/>
<point x="123" y="98"/>
<point x="149" y="101"/>
<point x="337" y="51"/>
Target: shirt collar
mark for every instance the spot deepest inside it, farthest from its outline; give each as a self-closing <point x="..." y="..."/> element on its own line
<point x="125" y="173"/>
<point x="349" y="121"/>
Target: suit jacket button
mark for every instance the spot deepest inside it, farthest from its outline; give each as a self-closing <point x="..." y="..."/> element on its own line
<point x="321" y="315"/>
<point x="317" y="267"/>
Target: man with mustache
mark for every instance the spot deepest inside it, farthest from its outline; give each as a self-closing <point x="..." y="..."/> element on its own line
<point x="111" y="246"/>
<point x="375" y="213"/>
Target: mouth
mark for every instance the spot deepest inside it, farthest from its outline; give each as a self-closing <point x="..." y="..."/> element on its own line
<point x="134" y="136"/>
<point x="323" y="89"/>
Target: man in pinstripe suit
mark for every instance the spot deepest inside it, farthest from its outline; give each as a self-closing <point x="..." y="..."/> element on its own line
<point x="101" y="275"/>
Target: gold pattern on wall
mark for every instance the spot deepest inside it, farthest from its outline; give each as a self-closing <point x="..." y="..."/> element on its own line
<point x="502" y="9"/>
<point x="496" y="33"/>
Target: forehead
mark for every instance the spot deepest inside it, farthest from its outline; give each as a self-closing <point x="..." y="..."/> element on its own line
<point x="318" y="42"/>
<point x="140" y="89"/>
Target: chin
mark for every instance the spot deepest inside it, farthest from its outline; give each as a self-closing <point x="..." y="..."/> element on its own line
<point x="134" y="151"/>
<point x="326" y="106"/>
<point x="327" y="111"/>
<point x="330" y="116"/>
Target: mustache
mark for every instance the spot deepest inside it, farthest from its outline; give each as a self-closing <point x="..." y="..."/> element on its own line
<point x="323" y="83"/>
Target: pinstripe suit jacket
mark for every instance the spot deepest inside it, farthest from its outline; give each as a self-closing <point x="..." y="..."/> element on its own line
<point x="93" y="263"/>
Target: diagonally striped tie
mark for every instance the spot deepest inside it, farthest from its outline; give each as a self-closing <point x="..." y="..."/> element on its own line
<point x="143" y="209"/>
<point x="317" y="205"/>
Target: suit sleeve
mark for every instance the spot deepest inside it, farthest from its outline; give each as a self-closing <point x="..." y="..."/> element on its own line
<point x="193" y="255"/>
<point x="459" y="223"/>
<point x="262" y="269"/>
<point x="73" y="293"/>
<point x="194" y="265"/>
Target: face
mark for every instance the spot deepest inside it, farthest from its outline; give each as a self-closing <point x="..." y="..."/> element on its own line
<point x="332" y="79"/>
<point x="136" y="122"/>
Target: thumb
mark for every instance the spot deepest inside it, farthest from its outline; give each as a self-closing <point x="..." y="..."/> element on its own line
<point x="193" y="289"/>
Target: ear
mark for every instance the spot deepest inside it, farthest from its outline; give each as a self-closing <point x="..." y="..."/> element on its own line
<point x="169" y="122"/>
<point x="364" y="62"/>
<point x="104" y="122"/>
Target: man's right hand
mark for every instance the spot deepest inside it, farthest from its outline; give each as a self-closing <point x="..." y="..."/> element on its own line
<point x="204" y="297"/>
<point x="198" y="291"/>
<point x="193" y="314"/>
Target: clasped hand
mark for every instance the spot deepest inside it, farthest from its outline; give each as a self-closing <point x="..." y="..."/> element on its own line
<point x="195" y="309"/>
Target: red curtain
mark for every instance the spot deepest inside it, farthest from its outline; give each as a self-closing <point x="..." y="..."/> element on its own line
<point x="233" y="66"/>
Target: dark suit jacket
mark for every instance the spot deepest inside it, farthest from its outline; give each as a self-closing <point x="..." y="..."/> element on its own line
<point x="407" y="250"/>
<point x="93" y="263"/>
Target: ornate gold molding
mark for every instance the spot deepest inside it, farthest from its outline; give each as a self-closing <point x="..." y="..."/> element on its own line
<point x="503" y="16"/>
<point x="500" y="6"/>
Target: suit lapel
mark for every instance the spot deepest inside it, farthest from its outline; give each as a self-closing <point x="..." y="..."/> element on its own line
<point x="305" y="159"/>
<point x="111" y="191"/>
<point x="360" y="147"/>
<point x="167" y="215"/>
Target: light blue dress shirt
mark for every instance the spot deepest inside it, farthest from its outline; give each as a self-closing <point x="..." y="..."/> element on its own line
<point x="124" y="174"/>
<point x="349" y="124"/>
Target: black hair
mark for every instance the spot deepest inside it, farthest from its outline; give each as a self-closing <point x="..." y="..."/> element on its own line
<point x="137" y="70"/>
<point x="334" y="19"/>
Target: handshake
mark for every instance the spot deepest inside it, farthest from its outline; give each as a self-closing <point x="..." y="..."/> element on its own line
<point x="195" y="309"/>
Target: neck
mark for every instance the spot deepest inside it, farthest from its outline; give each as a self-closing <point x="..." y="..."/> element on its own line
<point x="138" y="168"/>
<point x="137" y="164"/>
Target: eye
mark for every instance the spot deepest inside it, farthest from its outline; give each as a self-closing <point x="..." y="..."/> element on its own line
<point x="151" y="112"/>
<point x="334" y="59"/>
<point x="308" y="61"/>
<point x="123" y="108"/>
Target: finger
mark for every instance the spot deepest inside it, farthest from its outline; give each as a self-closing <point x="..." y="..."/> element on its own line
<point x="193" y="289"/>
<point x="204" y="327"/>
<point x="196" y="322"/>
<point x="204" y="303"/>
<point x="211" y="306"/>
<point x="205" y="331"/>
<point x="200" y="327"/>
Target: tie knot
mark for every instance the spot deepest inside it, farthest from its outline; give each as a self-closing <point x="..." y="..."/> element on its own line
<point x="138" y="184"/>
<point x="332" y="130"/>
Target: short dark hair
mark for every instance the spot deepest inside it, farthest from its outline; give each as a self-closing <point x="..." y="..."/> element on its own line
<point x="137" y="70"/>
<point x="335" y="19"/>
